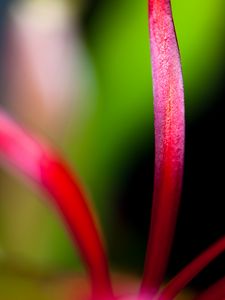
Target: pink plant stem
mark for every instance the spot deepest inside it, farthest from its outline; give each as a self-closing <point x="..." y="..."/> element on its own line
<point x="41" y="164"/>
<point x="189" y="272"/>
<point x="169" y="141"/>
<point x="215" y="292"/>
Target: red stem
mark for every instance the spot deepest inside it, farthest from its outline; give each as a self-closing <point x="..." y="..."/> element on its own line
<point x="189" y="272"/>
<point x="34" y="159"/>
<point x="169" y="141"/>
<point x="215" y="292"/>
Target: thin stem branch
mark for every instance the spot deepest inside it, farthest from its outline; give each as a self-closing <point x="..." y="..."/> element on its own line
<point x="191" y="270"/>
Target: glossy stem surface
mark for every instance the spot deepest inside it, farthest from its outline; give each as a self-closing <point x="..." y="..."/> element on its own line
<point x="40" y="163"/>
<point x="169" y="141"/>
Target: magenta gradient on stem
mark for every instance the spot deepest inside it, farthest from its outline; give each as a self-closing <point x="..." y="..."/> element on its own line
<point x="169" y="141"/>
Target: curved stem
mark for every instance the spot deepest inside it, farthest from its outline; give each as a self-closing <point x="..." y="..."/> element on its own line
<point x="169" y="141"/>
<point x="189" y="272"/>
<point x="41" y="164"/>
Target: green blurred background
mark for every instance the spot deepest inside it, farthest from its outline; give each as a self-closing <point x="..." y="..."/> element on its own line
<point x="107" y="135"/>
